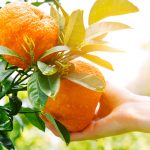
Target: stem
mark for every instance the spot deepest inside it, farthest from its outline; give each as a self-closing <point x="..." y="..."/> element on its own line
<point x="17" y="90"/>
<point x="25" y="112"/>
<point x="15" y="78"/>
<point x="24" y="73"/>
<point x="22" y="80"/>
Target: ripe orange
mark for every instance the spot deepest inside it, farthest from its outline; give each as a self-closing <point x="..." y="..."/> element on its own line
<point x="21" y="19"/>
<point x="74" y="105"/>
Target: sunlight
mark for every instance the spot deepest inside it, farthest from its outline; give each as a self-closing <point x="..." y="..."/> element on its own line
<point x="126" y="65"/>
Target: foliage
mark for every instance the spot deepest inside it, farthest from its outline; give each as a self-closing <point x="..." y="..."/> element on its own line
<point x="41" y="80"/>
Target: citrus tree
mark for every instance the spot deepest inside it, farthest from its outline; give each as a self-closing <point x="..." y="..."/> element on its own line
<point x="39" y="54"/>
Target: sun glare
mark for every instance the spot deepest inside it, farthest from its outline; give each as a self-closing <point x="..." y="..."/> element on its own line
<point x="127" y="64"/>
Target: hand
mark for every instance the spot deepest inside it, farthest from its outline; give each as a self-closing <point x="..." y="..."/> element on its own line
<point x="121" y="112"/>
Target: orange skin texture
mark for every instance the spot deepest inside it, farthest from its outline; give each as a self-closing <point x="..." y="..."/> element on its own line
<point x="74" y="105"/>
<point x="21" y="19"/>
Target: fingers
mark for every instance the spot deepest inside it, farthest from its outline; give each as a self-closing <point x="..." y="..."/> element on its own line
<point x="107" y="126"/>
<point x="95" y="130"/>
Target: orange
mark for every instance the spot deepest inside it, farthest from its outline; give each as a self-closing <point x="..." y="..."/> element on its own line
<point x="74" y="105"/>
<point x="21" y="19"/>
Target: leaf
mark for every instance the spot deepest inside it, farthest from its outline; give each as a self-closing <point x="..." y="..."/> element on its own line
<point x="75" y="30"/>
<point x="54" y="13"/>
<point x="28" y="110"/>
<point x="6" y="121"/>
<point x="37" y="98"/>
<point x="59" y="19"/>
<point x="98" y="61"/>
<point x="98" y="47"/>
<point x="105" y="8"/>
<point x="61" y="22"/>
<point x="99" y="38"/>
<point x="49" y="84"/>
<point x="54" y="50"/>
<point x="62" y="9"/>
<point x="5" y="74"/>
<point x="46" y="69"/>
<point x="7" y="51"/>
<point x="37" y="3"/>
<point x="89" y="81"/>
<point x="6" y="141"/>
<point x="5" y="87"/>
<point x="15" y="105"/>
<point x="100" y="28"/>
<point x="63" y="132"/>
<point x="3" y="65"/>
<point x="33" y="118"/>
<point x="18" y="126"/>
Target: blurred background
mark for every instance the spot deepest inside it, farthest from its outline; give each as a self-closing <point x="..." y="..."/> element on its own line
<point x="131" y="70"/>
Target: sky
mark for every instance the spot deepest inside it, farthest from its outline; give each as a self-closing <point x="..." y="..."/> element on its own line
<point x="126" y="65"/>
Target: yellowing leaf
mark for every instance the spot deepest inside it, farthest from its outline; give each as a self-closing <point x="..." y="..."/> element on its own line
<point x="105" y="8"/>
<point x="75" y="30"/>
<point x="55" y="49"/>
<point x="98" y="47"/>
<point x="62" y="9"/>
<point x="100" y="37"/>
<point x="98" y="61"/>
<point x="46" y="69"/>
<point x="100" y="28"/>
<point x="89" y="81"/>
<point x="60" y="21"/>
<point x="54" y="13"/>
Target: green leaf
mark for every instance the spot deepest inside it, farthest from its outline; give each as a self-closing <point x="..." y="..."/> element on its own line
<point x="46" y="69"/>
<point x="37" y="3"/>
<point x="33" y="117"/>
<point x="100" y="28"/>
<point x="63" y="132"/>
<point x="37" y="98"/>
<point x="105" y="8"/>
<point x="89" y="81"/>
<point x="6" y="121"/>
<point x="28" y="110"/>
<point x="55" y="49"/>
<point x="98" y="61"/>
<point x="15" y="105"/>
<point x="17" y="128"/>
<point x="75" y="30"/>
<point x="5" y="74"/>
<point x="7" y="51"/>
<point x="49" y="84"/>
<point x="5" y="87"/>
<point x="6" y="141"/>
<point x="98" y="47"/>
<point x="3" y="65"/>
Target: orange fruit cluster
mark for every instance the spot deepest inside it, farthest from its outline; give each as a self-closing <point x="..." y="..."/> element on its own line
<point x="75" y="105"/>
<point x="18" y="20"/>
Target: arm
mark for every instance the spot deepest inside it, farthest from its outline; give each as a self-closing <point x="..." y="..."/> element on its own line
<point x="129" y="112"/>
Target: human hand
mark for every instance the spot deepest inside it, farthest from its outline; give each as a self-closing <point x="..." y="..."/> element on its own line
<point x="121" y="111"/>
